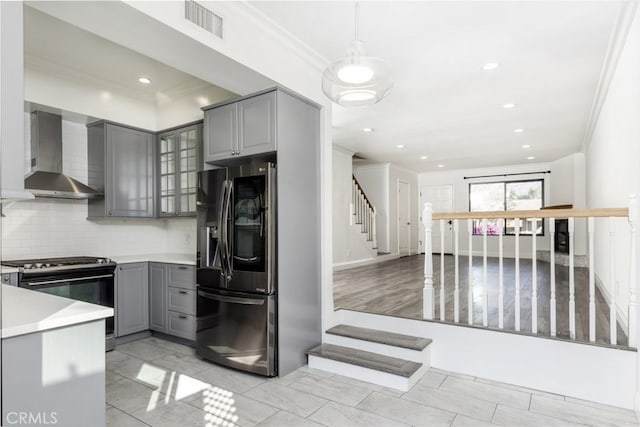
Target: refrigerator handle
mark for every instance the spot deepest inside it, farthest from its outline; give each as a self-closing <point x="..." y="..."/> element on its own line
<point x="230" y="299"/>
<point x="222" y="240"/>
<point x="228" y="243"/>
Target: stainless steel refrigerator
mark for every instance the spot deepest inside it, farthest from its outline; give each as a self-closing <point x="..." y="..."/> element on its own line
<point x="236" y="275"/>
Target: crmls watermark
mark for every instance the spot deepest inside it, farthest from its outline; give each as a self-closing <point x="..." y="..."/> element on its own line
<point x="32" y="418"/>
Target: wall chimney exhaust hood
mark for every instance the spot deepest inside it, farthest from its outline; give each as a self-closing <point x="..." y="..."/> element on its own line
<point x="46" y="178"/>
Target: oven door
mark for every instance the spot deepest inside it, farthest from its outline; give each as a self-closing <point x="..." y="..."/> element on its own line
<point x="237" y="330"/>
<point x="95" y="287"/>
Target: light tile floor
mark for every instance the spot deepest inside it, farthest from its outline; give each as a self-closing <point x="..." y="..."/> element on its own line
<point x="159" y="383"/>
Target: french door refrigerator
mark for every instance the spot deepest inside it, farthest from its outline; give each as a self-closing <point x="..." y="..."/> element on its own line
<point x="236" y="274"/>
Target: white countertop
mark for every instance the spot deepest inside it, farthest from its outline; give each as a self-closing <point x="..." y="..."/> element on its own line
<point x="186" y="259"/>
<point x="25" y="311"/>
<point x="8" y="270"/>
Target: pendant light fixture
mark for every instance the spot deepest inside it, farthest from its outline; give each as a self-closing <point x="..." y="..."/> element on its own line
<point x="357" y="80"/>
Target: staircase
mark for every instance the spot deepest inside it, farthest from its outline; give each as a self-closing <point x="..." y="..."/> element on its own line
<point x="363" y="213"/>
<point x="384" y="358"/>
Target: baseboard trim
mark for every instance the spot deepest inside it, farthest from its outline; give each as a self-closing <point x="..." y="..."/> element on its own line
<point x="362" y="262"/>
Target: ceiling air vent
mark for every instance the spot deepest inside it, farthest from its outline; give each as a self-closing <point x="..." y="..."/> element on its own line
<point x="203" y="17"/>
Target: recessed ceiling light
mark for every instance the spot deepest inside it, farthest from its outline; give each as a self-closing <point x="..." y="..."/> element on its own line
<point x="144" y="80"/>
<point x="440" y="166"/>
<point x="525" y="146"/>
<point x="424" y="157"/>
<point x="519" y="130"/>
<point x="508" y="106"/>
<point x="490" y="66"/>
<point x="530" y="158"/>
<point x="399" y="146"/>
<point x="367" y="129"/>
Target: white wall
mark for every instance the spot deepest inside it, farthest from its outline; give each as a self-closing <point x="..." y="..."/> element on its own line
<point x="612" y="165"/>
<point x="461" y="203"/>
<point x="380" y="183"/>
<point x="49" y="228"/>
<point x="341" y="184"/>
<point x="374" y="180"/>
<point x="568" y="187"/>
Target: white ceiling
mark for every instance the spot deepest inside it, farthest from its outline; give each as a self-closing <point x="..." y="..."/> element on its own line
<point x="53" y="44"/>
<point x="443" y="105"/>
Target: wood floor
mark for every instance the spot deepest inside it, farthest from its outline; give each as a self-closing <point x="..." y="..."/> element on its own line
<point x="395" y="288"/>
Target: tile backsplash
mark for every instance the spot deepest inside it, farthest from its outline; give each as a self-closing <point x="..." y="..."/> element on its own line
<point x="56" y="227"/>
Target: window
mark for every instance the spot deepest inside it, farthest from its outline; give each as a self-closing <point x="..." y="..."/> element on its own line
<point x="510" y="196"/>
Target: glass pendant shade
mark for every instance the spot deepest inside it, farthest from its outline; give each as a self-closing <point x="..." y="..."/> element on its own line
<point x="357" y="80"/>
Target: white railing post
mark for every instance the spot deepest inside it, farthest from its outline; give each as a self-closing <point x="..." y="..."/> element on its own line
<point x="485" y="281"/>
<point x="516" y="223"/>
<point x="500" y="275"/>
<point x="613" y="322"/>
<point x="633" y="283"/>
<point x="442" y="306"/>
<point x="534" y="276"/>
<point x="375" y="231"/>
<point x="572" y="285"/>
<point x="552" y="270"/>
<point x="427" y="292"/>
<point x="470" y="279"/>
<point x="456" y="289"/>
<point x="592" y="281"/>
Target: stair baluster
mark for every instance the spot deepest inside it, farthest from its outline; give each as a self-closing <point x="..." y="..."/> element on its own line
<point x="552" y="279"/>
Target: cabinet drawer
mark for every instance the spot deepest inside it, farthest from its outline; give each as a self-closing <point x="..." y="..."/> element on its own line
<point x="182" y="325"/>
<point x="181" y="276"/>
<point x="182" y="300"/>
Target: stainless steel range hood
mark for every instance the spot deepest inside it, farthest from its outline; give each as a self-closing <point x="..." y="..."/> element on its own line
<point x="46" y="178"/>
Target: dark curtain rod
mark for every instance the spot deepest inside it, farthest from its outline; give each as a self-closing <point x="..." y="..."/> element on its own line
<point x="505" y="174"/>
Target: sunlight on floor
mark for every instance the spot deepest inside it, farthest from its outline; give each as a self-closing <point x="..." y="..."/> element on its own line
<point x="218" y="403"/>
<point x="219" y="407"/>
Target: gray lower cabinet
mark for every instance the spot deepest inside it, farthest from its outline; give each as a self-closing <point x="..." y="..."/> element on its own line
<point x="122" y="165"/>
<point x="172" y="299"/>
<point x="158" y="297"/>
<point x="241" y="128"/>
<point x="132" y="298"/>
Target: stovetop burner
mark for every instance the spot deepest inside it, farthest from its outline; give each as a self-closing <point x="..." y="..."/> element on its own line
<point x="56" y="263"/>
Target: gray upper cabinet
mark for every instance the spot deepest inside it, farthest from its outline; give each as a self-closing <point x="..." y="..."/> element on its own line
<point x="132" y="298"/>
<point x="221" y="132"/>
<point x="121" y="164"/>
<point x="158" y="297"/>
<point x="179" y="157"/>
<point x="243" y="128"/>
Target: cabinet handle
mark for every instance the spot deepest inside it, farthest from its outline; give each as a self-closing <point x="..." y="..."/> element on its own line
<point x="182" y="292"/>
<point x="109" y="212"/>
<point x="182" y="267"/>
<point x="182" y="317"/>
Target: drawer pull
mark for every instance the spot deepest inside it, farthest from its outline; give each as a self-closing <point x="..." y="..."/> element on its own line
<point x="183" y="267"/>
<point x="182" y="317"/>
<point x="183" y="292"/>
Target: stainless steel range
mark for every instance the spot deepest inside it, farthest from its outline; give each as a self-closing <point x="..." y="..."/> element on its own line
<point x="88" y="279"/>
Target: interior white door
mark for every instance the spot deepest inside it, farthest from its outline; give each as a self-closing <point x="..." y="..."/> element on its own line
<point x="404" y="220"/>
<point x="441" y="199"/>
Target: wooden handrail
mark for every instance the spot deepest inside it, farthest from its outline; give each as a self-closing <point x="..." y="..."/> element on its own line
<point x="362" y="190"/>
<point x="545" y="213"/>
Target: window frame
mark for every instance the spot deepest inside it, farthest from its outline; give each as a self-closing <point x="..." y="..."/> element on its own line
<point x="504" y="183"/>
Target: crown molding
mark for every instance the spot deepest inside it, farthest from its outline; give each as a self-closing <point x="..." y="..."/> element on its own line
<point x="617" y="42"/>
<point x="279" y="33"/>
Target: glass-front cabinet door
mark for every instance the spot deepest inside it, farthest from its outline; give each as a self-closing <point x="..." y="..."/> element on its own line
<point x="179" y="153"/>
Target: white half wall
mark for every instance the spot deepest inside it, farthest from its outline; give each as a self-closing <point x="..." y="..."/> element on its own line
<point x="583" y="371"/>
